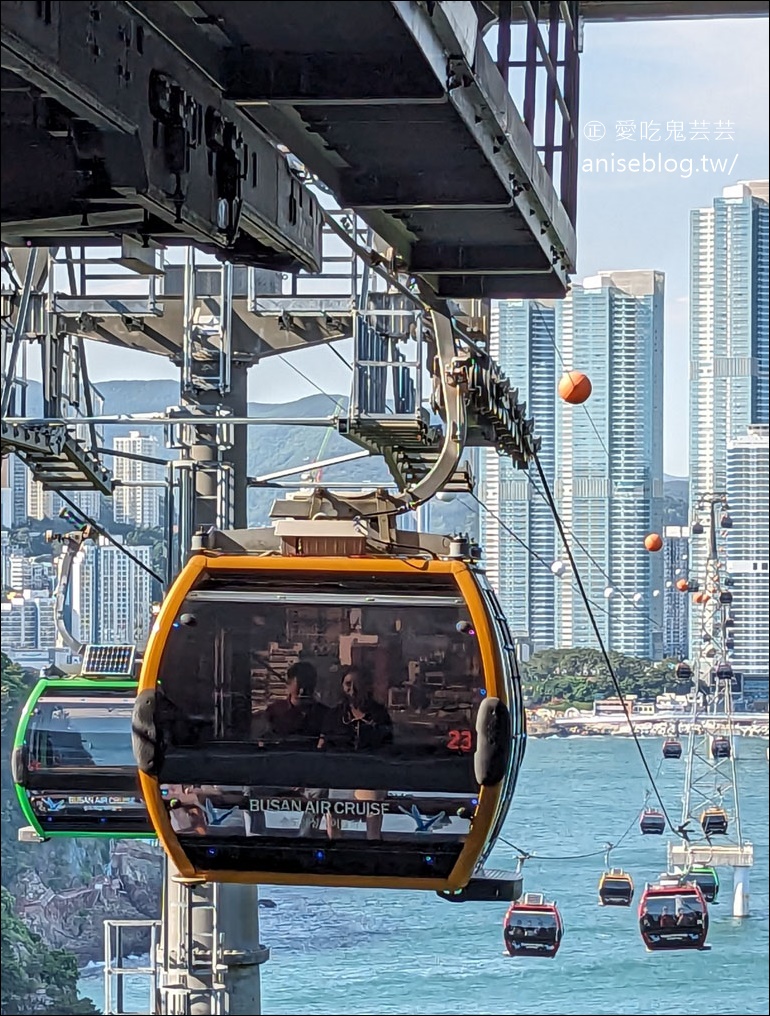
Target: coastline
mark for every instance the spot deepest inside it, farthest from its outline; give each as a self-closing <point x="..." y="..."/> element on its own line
<point x="644" y="725"/>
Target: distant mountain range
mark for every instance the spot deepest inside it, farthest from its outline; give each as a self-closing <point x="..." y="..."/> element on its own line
<point x="273" y="448"/>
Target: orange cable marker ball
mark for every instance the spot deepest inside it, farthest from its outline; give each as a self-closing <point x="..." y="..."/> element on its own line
<point x="575" y="387"/>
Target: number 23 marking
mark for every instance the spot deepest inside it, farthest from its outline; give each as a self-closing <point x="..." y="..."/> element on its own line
<point x="460" y="740"/>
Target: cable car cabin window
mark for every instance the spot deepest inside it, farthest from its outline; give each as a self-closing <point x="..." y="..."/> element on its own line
<point x="661" y="913"/>
<point x="77" y="766"/>
<point x="328" y="719"/>
<point x="534" y="920"/>
<point x="517" y="709"/>
<point x="615" y="885"/>
<point x="79" y="734"/>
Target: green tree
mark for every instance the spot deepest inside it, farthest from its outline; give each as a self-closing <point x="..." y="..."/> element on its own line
<point x="576" y="676"/>
<point x="35" y="979"/>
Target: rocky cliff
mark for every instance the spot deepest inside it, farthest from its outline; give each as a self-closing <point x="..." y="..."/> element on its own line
<point x="72" y="918"/>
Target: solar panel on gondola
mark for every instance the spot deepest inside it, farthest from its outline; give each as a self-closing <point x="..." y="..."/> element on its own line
<point x="329" y="720"/>
<point x="108" y="661"/>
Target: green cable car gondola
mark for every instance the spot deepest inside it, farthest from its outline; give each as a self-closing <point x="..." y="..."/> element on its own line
<point x="340" y="720"/>
<point x="72" y="760"/>
<point x="707" y="880"/>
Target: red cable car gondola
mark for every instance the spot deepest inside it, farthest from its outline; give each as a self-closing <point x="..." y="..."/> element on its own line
<point x="673" y="917"/>
<point x="672" y="748"/>
<point x="720" y="747"/>
<point x="533" y="927"/>
<point x="652" y="823"/>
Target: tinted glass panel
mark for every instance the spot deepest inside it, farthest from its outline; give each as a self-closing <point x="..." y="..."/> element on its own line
<point x="80" y="733"/>
<point x="347" y="726"/>
<point x="534" y="919"/>
<point x="615" y="885"/>
<point x="324" y="695"/>
<point x="669" y="910"/>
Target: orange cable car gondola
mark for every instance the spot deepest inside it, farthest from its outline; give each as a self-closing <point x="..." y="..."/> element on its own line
<point x="673" y="916"/>
<point x="714" y="822"/>
<point x="533" y="927"/>
<point x="329" y="720"/>
<point x="616" y="888"/>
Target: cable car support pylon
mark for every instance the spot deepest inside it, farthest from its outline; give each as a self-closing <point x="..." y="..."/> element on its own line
<point x="710" y="802"/>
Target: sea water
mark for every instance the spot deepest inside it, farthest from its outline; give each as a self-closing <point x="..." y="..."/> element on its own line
<point x="358" y="951"/>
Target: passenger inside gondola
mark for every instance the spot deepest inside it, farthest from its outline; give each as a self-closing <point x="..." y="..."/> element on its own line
<point x="298" y="716"/>
<point x="531" y="932"/>
<point x="660" y="923"/>
<point x="686" y="918"/>
<point x="666" y="919"/>
<point x="358" y="722"/>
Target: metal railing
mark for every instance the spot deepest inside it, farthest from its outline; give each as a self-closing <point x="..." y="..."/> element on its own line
<point x="539" y="59"/>
<point x="117" y="973"/>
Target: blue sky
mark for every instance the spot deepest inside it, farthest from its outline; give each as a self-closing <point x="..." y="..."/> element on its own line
<point x="658" y="73"/>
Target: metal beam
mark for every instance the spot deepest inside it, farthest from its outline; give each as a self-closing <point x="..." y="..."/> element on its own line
<point x="509" y="286"/>
<point x="454" y="259"/>
<point x="54" y="191"/>
<point x="320" y="79"/>
<point x="34" y="438"/>
<point x="209" y="171"/>
<point x="158" y="419"/>
<point x="427" y="189"/>
<point x="648" y="10"/>
<point x="256" y="481"/>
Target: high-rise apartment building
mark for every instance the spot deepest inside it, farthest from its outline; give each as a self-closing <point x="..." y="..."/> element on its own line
<point x="523" y="341"/>
<point x="27" y="621"/>
<point x="748" y="549"/>
<point x="111" y="596"/>
<point x="728" y="334"/>
<point x="43" y="503"/>
<point x="676" y="604"/>
<point x="609" y="460"/>
<point x="137" y="505"/>
<point x="14" y="492"/>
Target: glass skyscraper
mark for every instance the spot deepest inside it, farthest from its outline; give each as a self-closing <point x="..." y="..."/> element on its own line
<point x="748" y="544"/>
<point x="676" y="604"/>
<point x="523" y="341"/>
<point x="606" y="469"/>
<point x="728" y="334"/>
<point x="609" y="461"/>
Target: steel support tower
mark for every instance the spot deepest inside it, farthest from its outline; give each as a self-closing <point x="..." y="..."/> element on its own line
<point x="711" y="775"/>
